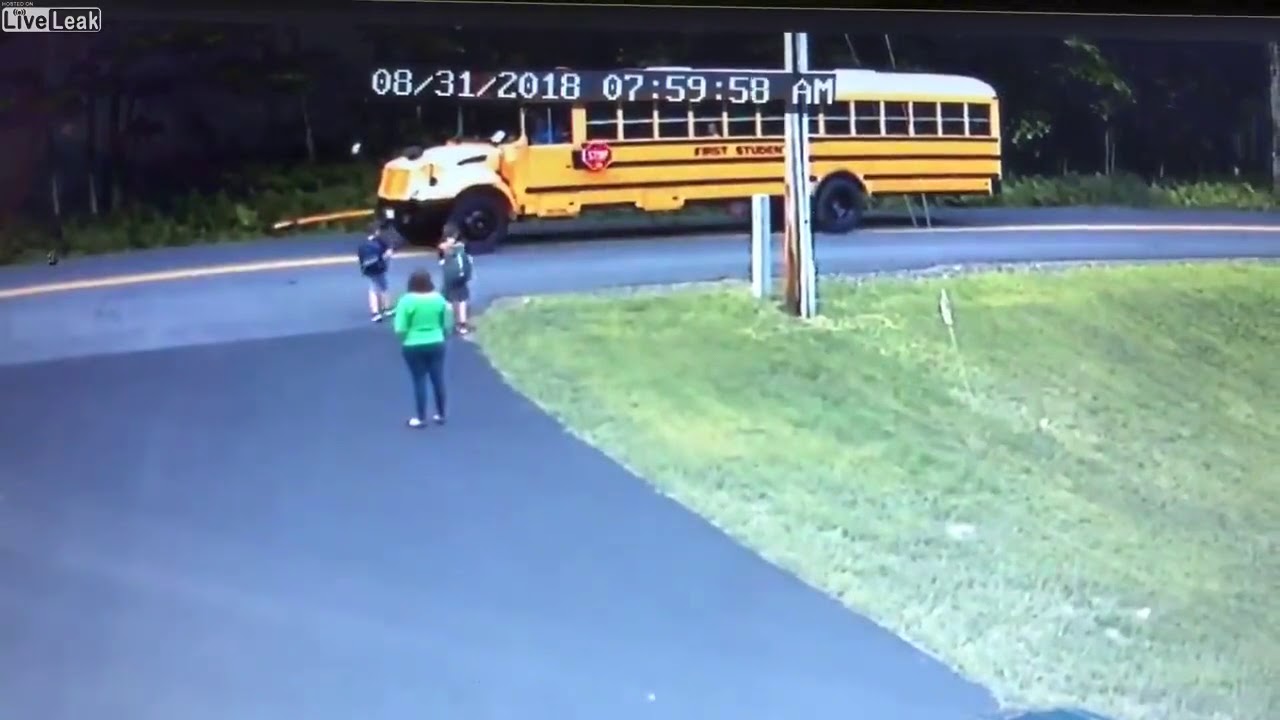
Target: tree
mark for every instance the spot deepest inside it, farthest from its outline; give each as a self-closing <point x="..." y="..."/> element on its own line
<point x="1109" y="93"/>
<point x="1273" y="51"/>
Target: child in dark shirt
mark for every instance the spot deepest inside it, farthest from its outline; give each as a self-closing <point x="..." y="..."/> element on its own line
<point x="374" y="257"/>
<point x="456" y="269"/>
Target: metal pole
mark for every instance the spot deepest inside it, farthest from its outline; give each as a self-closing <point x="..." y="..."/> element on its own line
<point x="802" y="273"/>
<point x="761" y="244"/>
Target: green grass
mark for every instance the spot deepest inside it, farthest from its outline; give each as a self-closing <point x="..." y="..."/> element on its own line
<point x="1080" y="506"/>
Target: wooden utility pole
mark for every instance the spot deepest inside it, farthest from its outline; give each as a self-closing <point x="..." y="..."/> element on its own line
<point x="790" y="264"/>
<point x="801" y="275"/>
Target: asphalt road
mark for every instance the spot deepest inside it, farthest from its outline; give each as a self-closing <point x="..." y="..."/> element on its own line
<point x="208" y="509"/>
<point x="294" y="301"/>
<point x="309" y="246"/>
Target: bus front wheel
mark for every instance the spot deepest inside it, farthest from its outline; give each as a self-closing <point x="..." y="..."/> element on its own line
<point x="482" y="219"/>
<point x="838" y="204"/>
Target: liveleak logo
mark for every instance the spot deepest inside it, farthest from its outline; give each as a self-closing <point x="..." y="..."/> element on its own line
<point x="21" y="17"/>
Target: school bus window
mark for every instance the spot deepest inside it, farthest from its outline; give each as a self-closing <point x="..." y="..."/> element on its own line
<point x="548" y="124"/>
<point x="866" y="118"/>
<point x="814" y="114"/>
<point x="602" y="121"/>
<point x="897" y="121"/>
<point x="773" y="118"/>
<point x="637" y="121"/>
<point x="979" y="119"/>
<point x="741" y="122"/>
<point x="835" y="119"/>
<point x="953" y="122"/>
<point x="710" y="128"/>
<point x="673" y="120"/>
<point x="924" y="118"/>
<point x="708" y="119"/>
<point x="561" y="115"/>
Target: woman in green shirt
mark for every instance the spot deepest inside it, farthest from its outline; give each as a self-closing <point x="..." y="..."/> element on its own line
<point x="423" y="322"/>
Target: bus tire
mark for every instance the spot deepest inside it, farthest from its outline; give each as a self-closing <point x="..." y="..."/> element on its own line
<point x="482" y="216"/>
<point x="418" y="225"/>
<point x="838" y="204"/>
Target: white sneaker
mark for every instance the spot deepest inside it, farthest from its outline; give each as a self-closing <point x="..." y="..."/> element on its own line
<point x="415" y="422"/>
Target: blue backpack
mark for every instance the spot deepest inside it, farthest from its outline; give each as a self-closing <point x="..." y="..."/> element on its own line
<point x="372" y="256"/>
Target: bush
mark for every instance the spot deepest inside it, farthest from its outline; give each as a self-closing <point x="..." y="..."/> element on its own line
<point x="21" y="242"/>
<point x="247" y="204"/>
<point x="1125" y="190"/>
<point x="1236" y="196"/>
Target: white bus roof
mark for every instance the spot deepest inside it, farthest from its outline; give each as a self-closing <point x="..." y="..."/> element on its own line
<point x="883" y="83"/>
<point x="850" y="82"/>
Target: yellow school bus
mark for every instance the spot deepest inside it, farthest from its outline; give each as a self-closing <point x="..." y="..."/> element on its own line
<point x="886" y="134"/>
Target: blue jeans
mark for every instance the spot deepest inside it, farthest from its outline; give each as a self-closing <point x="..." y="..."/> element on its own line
<point x="426" y="364"/>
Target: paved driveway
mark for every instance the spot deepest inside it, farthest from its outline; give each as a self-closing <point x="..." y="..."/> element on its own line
<point x="245" y="531"/>
<point x="209" y="509"/>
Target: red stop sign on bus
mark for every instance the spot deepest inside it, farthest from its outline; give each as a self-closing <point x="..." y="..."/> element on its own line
<point x="596" y="155"/>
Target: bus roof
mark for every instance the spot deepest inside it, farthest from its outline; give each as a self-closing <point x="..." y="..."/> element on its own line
<point x="877" y="82"/>
<point x="871" y="81"/>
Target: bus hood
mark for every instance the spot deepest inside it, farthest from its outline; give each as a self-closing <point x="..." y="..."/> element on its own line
<point x="451" y="155"/>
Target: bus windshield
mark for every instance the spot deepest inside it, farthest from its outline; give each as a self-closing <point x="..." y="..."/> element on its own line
<point x="545" y="124"/>
<point x="477" y="122"/>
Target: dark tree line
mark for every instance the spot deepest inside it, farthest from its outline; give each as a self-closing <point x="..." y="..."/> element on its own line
<point x="93" y="124"/>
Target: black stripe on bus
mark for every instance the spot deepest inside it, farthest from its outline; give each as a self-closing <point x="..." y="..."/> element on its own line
<point x="757" y="140"/>
<point x="988" y="158"/>
<point x="749" y="159"/>
<point x="942" y="176"/>
<point x="646" y="185"/>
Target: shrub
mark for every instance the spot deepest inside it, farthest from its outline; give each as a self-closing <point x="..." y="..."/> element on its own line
<point x="1234" y="195"/>
<point x="1125" y="190"/>
<point x="20" y="242"/>
<point x="245" y="207"/>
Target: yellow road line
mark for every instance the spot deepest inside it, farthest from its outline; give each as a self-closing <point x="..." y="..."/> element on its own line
<point x="330" y="260"/>
<point x="1087" y="228"/>
<point x="182" y="274"/>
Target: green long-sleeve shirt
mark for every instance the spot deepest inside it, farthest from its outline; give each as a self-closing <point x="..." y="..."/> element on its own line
<point x="423" y="319"/>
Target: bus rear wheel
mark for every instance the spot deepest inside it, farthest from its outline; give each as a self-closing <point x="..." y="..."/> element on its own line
<point x="482" y="219"/>
<point x="837" y="207"/>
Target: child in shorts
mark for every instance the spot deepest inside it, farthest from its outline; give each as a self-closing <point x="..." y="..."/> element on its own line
<point x="456" y="269"/>
<point x="374" y="256"/>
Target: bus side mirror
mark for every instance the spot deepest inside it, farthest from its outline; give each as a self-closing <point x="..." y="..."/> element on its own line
<point x="498" y="137"/>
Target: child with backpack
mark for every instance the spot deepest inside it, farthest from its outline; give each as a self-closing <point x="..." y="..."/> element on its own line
<point x="456" y="269"/>
<point x="374" y="257"/>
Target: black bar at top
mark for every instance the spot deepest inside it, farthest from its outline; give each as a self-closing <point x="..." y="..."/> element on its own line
<point x="674" y="85"/>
